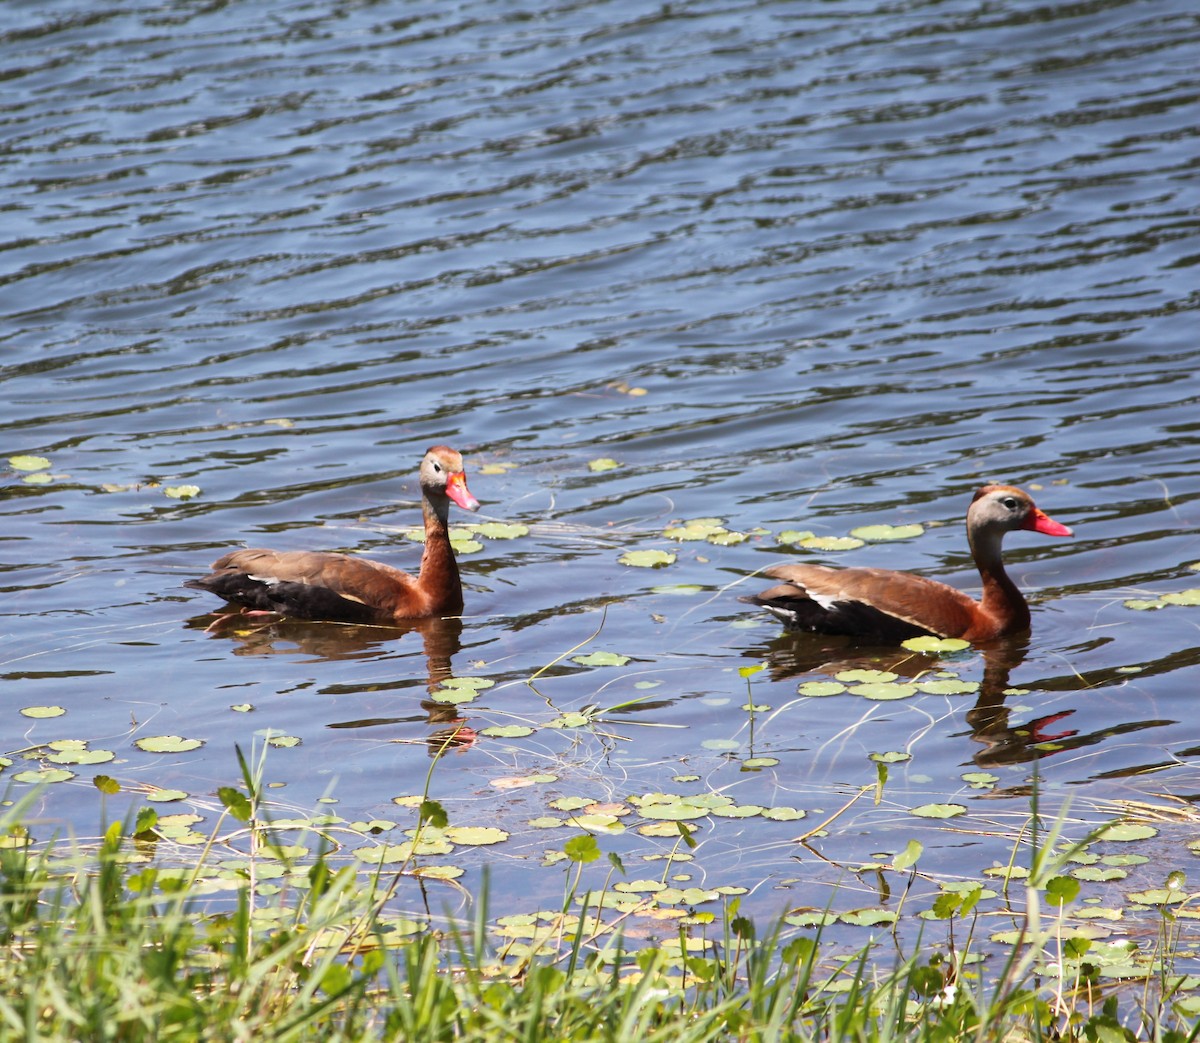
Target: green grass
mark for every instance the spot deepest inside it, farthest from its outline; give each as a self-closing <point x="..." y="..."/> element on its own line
<point x="116" y="941"/>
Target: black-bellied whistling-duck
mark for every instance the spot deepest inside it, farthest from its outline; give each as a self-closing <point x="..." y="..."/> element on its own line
<point x="893" y="606"/>
<point x="314" y="585"/>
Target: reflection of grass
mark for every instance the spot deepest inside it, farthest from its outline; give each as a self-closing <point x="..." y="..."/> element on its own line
<point x="111" y="943"/>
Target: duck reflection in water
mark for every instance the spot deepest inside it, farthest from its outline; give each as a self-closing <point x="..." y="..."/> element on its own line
<point x="335" y="642"/>
<point x="795" y="655"/>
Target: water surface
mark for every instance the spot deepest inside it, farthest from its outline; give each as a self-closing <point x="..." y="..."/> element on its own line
<point x="795" y="266"/>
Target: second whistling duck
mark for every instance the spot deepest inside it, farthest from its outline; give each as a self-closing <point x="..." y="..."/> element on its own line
<point x="313" y="585"/>
<point x="892" y="606"/>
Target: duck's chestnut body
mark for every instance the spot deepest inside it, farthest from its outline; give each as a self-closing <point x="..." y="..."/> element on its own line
<point x="316" y="585"/>
<point x="883" y="605"/>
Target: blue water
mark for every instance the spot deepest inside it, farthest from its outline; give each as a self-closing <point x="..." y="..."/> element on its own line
<point x="793" y="265"/>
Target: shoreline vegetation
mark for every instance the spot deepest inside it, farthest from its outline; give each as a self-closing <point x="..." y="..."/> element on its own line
<point x="116" y="940"/>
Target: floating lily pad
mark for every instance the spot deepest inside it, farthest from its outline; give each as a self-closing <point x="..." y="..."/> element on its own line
<point x="783" y="814"/>
<point x="168" y="796"/>
<point x="738" y="811"/>
<point x="831" y="543"/>
<point x="28" y="463"/>
<point x="603" y="463"/>
<point x="795" y="535"/>
<point x="647" y="559"/>
<point x="181" y="492"/>
<point x="980" y="779"/>
<point x="42" y="711"/>
<point x="464" y="544"/>
<point x="284" y="741"/>
<point x="938" y="810"/>
<point x="881" y="691"/>
<point x="167" y="744"/>
<point x="760" y="762"/>
<point x="1182" y="597"/>
<point x="677" y="588"/>
<point x="1142" y="605"/>
<point x="45" y="775"/>
<point x="868" y="917"/>
<point x="887" y="532"/>
<point x="601" y="659"/>
<point x="821" y="688"/>
<point x="935" y="645"/>
<point x="38" y="478"/>
<point x="499" y="530"/>
<point x="81" y="756"/>
<point x="948" y="687"/>
<point x="865" y="676"/>
<point x="1127" y="832"/>
<point x="476" y="836"/>
<point x="892" y="757"/>
<point x="507" y="731"/>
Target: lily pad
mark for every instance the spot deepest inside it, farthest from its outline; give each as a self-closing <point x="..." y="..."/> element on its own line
<point x="499" y="530"/>
<point x="948" y="687"/>
<point x="507" y="731"/>
<point x="795" y="535"/>
<point x="931" y="645"/>
<point x="476" y="836"/>
<point x="783" y="814"/>
<point x="887" y="532"/>
<point x="28" y="463"/>
<point x="603" y="463"/>
<point x="601" y="659"/>
<point x="42" y="711"/>
<point x="167" y="744"/>
<point x="831" y="543"/>
<point x="181" y="492"/>
<point x="881" y="691"/>
<point x="1143" y="605"/>
<point x="1127" y="832"/>
<point x="1182" y="597"/>
<point x="865" y="676"/>
<point x="647" y="559"/>
<point x="869" y="917"/>
<point x="939" y="810"/>
<point x="821" y="688"/>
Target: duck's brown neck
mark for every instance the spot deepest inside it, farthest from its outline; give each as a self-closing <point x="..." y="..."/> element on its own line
<point x="1001" y="600"/>
<point x="438" y="577"/>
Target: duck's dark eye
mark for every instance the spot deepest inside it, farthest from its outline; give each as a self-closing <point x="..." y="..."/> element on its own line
<point x="437" y="467"/>
<point x="1010" y="503"/>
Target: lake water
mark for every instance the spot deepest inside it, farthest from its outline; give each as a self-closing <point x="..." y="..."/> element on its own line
<point x="795" y="266"/>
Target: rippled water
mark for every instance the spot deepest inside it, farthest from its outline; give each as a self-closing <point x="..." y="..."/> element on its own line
<point x="793" y="265"/>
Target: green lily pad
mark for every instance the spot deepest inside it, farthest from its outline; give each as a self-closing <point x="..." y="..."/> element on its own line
<point x="603" y="463"/>
<point x="931" y="645"/>
<point x="938" y="810"/>
<point x="601" y="659"/>
<point x="38" y="478"/>
<point x="42" y="711"/>
<point x="464" y="544"/>
<point x="475" y="836"/>
<point x="1142" y="605"/>
<point x="738" y="811"/>
<point x="868" y="917"/>
<point x="81" y="756"/>
<point x="168" y="796"/>
<point x="831" y="543"/>
<point x="28" y="463"/>
<point x="883" y="690"/>
<point x="167" y="744"/>
<point x="887" y="532"/>
<point x="795" y="535"/>
<point x="948" y="687"/>
<point x="285" y="742"/>
<point x="507" y="731"/>
<point x="783" y="814"/>
<point x="44" y="775"/>
<point x="821" y="688"/>
<point x="181" y="492"/>
<point x="980" y="779"/>
<point x="865" y="676"/>
<point x="647" y="559"/>
<point x="892" y="757"/>
<point x="696" y="529"/>
<point x="499" y="530"/>
<point x="1126" y="832"/>
<point x="1182" y="597"/>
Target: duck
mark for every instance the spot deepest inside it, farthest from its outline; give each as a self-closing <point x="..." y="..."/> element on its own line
<point x="320" y="585"/>
<point x="887" y="606"/>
